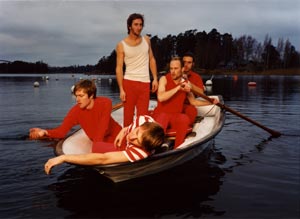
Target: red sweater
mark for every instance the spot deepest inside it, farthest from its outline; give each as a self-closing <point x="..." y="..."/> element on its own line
<point x="196" y="79"/>
<point x="96" y="122"/>
<point x="175" y="103"/>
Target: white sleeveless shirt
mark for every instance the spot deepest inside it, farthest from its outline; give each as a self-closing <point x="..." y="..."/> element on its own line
<point x="136" y="59"/>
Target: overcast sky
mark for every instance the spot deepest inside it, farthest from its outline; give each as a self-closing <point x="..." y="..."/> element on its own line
<point x="63" y="33"/>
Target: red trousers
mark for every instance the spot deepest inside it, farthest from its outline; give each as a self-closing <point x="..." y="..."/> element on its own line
<point x="177" y="121"/>
<point x="191" y="112"/>
<point x="137" y="96"/>
<point x="107" y="144"/>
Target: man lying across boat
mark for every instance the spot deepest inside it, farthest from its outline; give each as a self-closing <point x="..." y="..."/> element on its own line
<point x="92" y="113"/>
<point x="143" y="136"/>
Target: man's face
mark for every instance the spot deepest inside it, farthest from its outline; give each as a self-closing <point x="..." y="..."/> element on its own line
<point x="82" y="99"/>
<point x="135" y="137"/>
<point x="136" y="27"/>
<point x="175" y="69"/>
<point x="188" y="64"/>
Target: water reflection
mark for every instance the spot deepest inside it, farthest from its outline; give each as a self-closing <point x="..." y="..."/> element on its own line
<point x="179" y="192"/>
<point x="244" y="162"/>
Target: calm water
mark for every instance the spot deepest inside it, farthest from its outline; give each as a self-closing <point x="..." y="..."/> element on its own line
<point x="248" y="175"/>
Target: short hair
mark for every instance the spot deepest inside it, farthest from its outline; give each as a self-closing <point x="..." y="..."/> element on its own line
<point x="153" y="136"/>
<point x="189" y="54"/>
<point x="132" y="17"/>
<point x="177" y="58"/>
<point x="88" y="86"/>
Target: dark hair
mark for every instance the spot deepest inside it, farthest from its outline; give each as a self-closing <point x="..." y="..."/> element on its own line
<point x="88" y="86"/>
<point x="189" y="54"/>
<point x="133" y="17"/>
<point x="153" y="136"/>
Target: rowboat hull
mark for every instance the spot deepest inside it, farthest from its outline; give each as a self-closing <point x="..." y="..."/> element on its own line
<point x="210" y="125"/>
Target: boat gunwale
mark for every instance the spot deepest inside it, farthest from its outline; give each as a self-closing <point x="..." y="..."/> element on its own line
<point x="157" y="156"/>
<point x="58" y="149"/>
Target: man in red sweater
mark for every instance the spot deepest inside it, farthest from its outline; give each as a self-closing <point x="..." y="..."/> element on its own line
<point x="196" y="84"/>
<point x="173" y="89"/>
<point x="92" y="113"/>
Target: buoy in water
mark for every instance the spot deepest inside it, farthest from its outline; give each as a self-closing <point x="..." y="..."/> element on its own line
<point x="36" y="84"/>
<point x="72" y="88"/>
<point x="208" y="83"/>
<point x="252" y="83"/>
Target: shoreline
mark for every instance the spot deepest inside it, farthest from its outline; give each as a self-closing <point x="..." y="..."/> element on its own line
<point x="294" y="71"/>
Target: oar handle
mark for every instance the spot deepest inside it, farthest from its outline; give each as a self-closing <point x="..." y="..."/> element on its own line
<point x="117" y="106"/>
<point x="222" y="106"/>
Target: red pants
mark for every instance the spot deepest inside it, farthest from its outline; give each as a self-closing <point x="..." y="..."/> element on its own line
<point x="177" y="121"/>
<point x="191" y="112"/>
<point x="107" y="144"/>
<point x="137" y="95"/>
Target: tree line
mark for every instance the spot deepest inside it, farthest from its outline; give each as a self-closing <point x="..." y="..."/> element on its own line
<point x="218" y="51"/>
<point x="212" y="51"/>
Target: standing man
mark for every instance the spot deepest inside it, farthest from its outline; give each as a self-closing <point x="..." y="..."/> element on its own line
<point x="135" y="52"/>
<point x="196" y="84"/>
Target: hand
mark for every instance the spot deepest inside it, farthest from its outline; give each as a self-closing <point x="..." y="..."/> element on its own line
<point x="185" y="86"/>
<point x="214" y="100"/>
<point x="120" y="137"/>
<point x="53" y="162"/>
<point x="122" y="96"/>
<point x="154" y="86"/>
<point x="37" y="133"/>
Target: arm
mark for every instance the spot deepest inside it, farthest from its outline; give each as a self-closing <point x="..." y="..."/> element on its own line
<point x="163" y="95"/>
<point x="119" y="70"/>
<point x="87" y="159"/>
<point x="196" y="83"/>
<point x="196" y="90"/>
<point x="153" y="67"/>
<point x="195" y="102"/>
<point x="120" y="137"/>
<point x="59" y="132"/>
<point x="37" y="133"/>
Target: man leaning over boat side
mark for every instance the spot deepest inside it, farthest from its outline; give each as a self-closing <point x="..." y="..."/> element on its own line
<point x="143" y="136"/>
<point x="92" y="113"/>
<point x="195" y="81"/>
<point x="136" y="53"/>
<point x="173" y="89"/>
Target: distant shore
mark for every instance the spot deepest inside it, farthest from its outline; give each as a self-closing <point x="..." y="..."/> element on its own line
<point x="235" y="72"/>
<point x="295" y="71"/>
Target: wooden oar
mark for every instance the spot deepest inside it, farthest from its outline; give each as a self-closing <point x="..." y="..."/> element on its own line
<point x="117" y="106"/>
<point x="222" y="106"/>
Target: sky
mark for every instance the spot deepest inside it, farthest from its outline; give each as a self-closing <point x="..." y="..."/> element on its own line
<point x="65" y="32"/>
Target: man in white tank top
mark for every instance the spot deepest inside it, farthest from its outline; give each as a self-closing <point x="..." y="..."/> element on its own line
<point x="135" y="52"/>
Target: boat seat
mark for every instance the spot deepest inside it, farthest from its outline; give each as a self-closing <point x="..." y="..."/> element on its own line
<point x="172" y="132"/>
